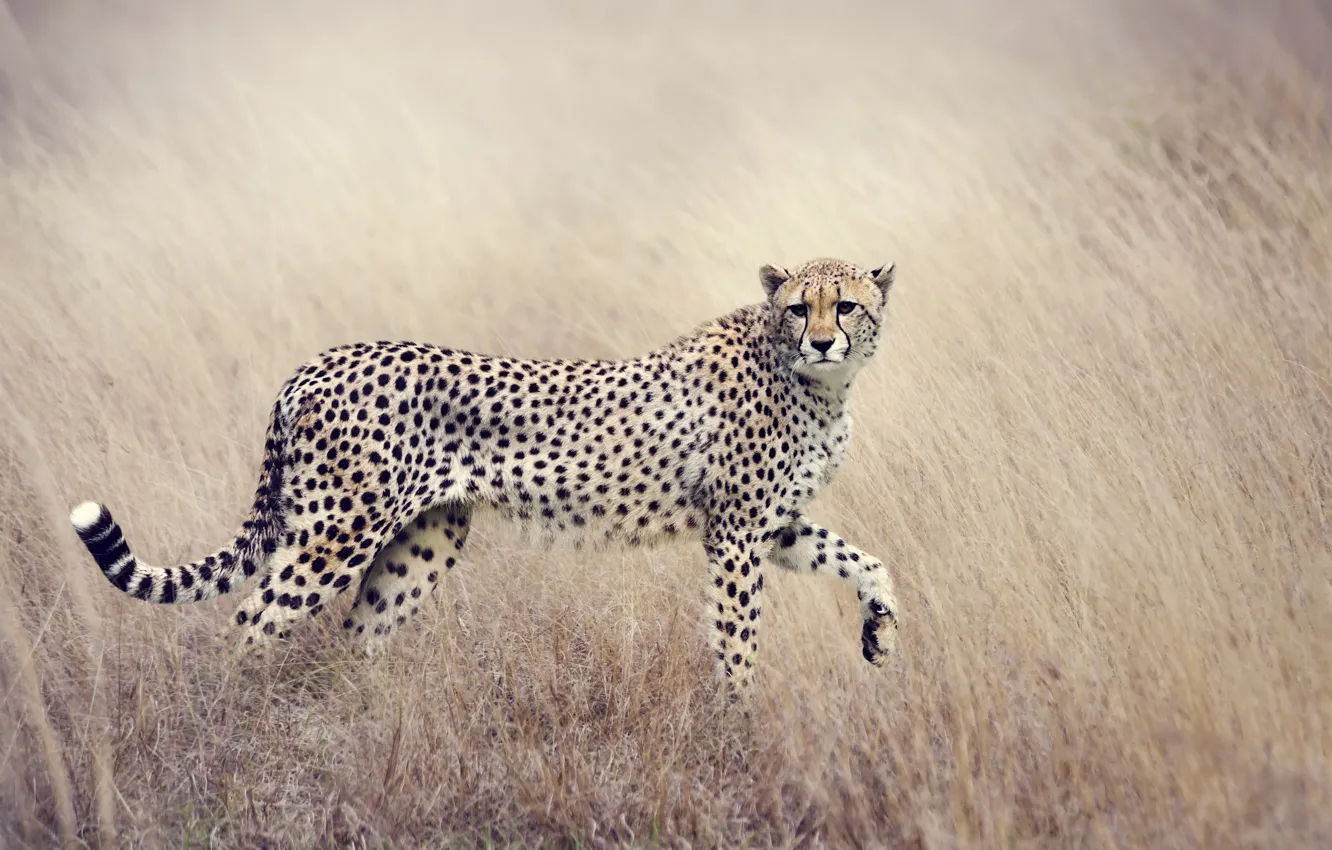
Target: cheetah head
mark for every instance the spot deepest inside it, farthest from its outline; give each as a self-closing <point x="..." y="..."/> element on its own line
<point x="827" y="315"/>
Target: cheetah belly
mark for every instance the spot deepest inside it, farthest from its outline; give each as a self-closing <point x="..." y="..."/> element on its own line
<point x="584" y="502"/>
<point x="590" y="527"/>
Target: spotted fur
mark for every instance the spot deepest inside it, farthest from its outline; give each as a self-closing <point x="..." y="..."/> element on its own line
<point x="378" y="455"/>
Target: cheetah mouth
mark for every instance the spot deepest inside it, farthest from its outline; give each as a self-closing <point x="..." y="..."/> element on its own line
<point x="829" y="359"/>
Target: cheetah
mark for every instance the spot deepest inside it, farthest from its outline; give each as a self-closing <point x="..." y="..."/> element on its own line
<point x="378" y="456"/>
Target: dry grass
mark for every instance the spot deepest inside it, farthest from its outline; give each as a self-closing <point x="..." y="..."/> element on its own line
<point x="1095" y="449"/>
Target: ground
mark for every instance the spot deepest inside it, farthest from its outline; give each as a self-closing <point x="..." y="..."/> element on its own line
<point x="1092" y="449"/>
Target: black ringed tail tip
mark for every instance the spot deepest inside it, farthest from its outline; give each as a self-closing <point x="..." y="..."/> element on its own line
<point x="91" y="521"/>
<point x="102" y="536"/>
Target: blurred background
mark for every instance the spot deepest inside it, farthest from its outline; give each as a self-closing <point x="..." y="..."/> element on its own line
<point x="1094" y="448"/>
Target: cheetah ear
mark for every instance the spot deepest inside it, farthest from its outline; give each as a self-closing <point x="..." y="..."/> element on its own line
<point x="773" y="277"/>
<point x="883" y="277"/>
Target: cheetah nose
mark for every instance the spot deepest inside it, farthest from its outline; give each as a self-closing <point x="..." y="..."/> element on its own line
<point x="821" y="345"/>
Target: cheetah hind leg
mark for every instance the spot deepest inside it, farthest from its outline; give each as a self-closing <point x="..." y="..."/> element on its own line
<point x="406" y="573"/>
<point x="302" y="577"/>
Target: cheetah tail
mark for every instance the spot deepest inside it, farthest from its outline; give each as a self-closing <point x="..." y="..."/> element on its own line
<point x="203" y="579"/>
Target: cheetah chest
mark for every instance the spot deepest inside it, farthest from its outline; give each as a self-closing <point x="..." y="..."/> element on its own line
<point x="822" y="458"/>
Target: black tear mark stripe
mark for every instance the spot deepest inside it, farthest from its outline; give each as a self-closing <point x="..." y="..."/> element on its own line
<point x="837" y="316"/>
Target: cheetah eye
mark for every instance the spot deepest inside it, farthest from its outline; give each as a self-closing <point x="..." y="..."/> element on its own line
<point x="798" y="310"/>
<point x="844" y="307"/>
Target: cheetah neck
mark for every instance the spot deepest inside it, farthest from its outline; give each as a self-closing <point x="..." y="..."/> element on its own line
<point x="832" y="394"/>
<point x="831" y="400"/>
<point x="827" y="402"/>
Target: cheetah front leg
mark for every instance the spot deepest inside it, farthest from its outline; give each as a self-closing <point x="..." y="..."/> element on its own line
<point x="809" y="548"/>
<point x="407" y="572"/>
<point x="734" y="587"/>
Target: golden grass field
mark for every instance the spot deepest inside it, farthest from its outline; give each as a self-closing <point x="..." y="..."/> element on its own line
<point x="1094" y="448"/>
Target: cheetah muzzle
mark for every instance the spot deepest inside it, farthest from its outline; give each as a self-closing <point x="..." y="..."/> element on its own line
<point x="379" y="456"/>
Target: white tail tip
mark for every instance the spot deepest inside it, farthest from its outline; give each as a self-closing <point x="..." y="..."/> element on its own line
<point x="85" y="515"/>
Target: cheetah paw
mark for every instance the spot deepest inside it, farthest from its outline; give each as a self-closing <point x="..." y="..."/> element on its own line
<point x="878" y="636"/>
